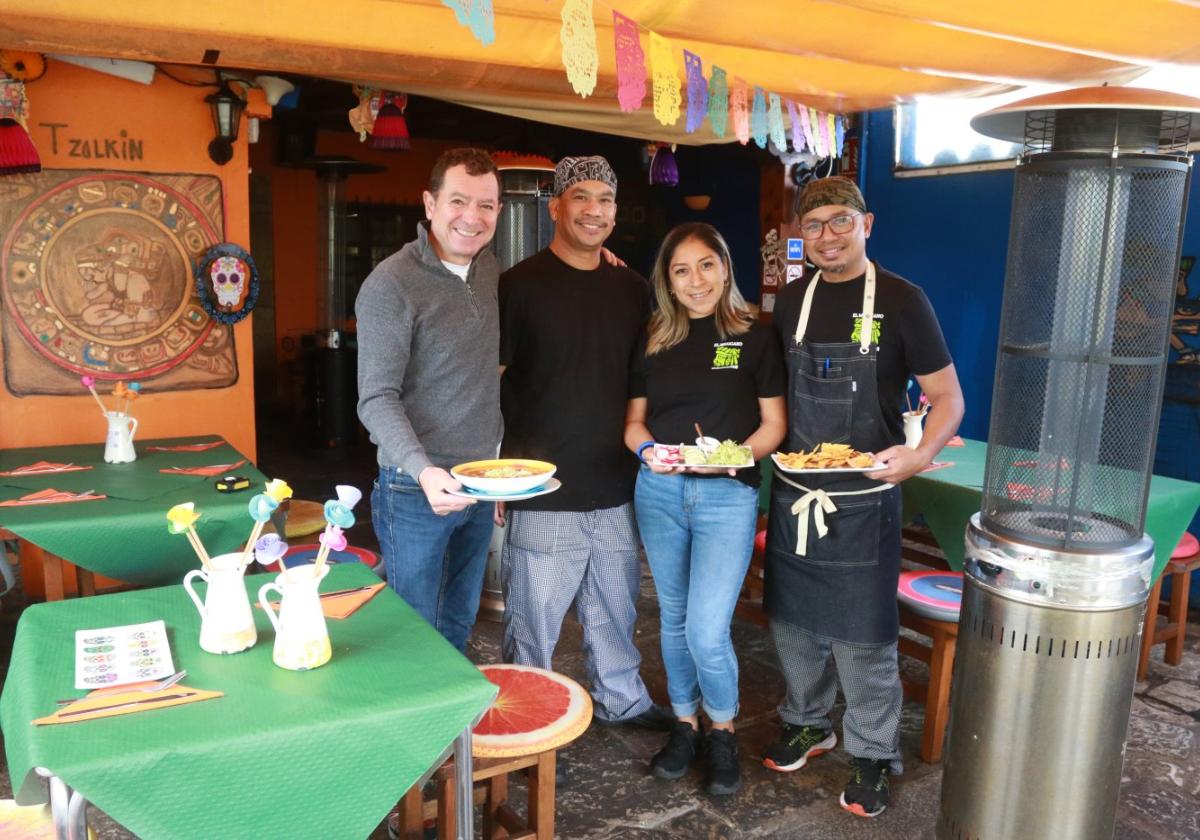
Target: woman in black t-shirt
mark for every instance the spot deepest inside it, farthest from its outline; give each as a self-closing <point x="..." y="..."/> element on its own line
<point x="707" y="361"/>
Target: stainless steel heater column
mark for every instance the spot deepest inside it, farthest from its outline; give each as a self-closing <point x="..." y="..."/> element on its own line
<point x="1058" y="567"/>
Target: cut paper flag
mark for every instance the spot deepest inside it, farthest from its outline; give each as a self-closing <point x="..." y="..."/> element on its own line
<point x="665" y="76"/>
<point x="50" y="496"/>
<point x="187" y="447"/>
<point x="758" y="118"/>
<point x="814" y="121"/>
<point x="579" y="54"/>
<point x="697" y="91"/>
<point x="631" y="63"/>
<point x="775" y="122"/>
<point x="42" y="468"/>
<point x="840" y="132"/>
<point x="806" y="127"/>
<point x="718" y="101"/>
<point x="831" y="135"/>
<point x="476" y="15"/>
<point x="126" y="703"/>
<point x="797" y="132"/>
<point x="740" y="110"/>
<point x="211" y="470"/>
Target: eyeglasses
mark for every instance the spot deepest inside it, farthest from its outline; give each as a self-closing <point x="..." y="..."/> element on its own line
<point x="838" y="224"/>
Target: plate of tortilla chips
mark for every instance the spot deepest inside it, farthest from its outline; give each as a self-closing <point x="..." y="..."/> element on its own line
<point x="827" y="458"/>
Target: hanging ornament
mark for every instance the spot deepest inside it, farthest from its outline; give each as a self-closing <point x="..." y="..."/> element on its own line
<point x="631" y="63"/>
<point x="697" y="91"/>
<point x="718" y="101"/>
<point x="17" y="152"/>
<point x="476" y="15"/>
<point x="390" y="130"/>
<point x="579" y="54"/>
<point x="664" y="169"/>
<point x="740" y="110"/>
<point x="758" y="118"/>
<point x="666" y="80"/>
<point x="362" y="116"/>
<point x="775" y="122"/>
<point x="22" y="66"/>
<point x="797" y="131"/>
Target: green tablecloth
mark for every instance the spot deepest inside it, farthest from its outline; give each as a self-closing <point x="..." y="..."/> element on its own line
<point x="125" y="535"/>
<point x="324" y="753"/>
<point x="948" y="497"/>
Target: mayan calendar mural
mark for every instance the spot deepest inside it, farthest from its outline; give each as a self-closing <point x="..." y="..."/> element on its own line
<point x="96" y="273"/>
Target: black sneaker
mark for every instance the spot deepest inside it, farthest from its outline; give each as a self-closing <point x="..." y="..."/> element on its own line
<point x="796" y="746"/>
<point x="683" y="745"/>
<point x="866" y="794"/>
<point x="724" y="776"/>
<point x="654" y="717"/>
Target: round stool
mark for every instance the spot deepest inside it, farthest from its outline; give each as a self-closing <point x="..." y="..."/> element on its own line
<point x="304" y="518"/>
<point x="298" y="555"/>
<point x="933" y="594"/>
<point x="760" y="541"/>
<point x="1188" y="545"/>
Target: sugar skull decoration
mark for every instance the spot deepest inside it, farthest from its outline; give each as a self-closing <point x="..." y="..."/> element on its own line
<point x="227" y="283"/>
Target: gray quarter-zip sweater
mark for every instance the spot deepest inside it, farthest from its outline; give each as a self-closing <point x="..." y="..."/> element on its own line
<point x="428" y="359"/>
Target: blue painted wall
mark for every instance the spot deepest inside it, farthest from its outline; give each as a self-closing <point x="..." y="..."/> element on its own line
<point x="949" y="234"/>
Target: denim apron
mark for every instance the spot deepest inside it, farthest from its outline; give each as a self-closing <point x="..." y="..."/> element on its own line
<point x="833" y="546"/>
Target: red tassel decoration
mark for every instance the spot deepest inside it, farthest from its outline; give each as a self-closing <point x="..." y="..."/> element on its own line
<point x="390" y="132"/>
<point x="17" y="153"/>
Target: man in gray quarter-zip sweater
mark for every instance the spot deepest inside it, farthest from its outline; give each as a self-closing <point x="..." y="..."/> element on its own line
<point x="429" y="393"/>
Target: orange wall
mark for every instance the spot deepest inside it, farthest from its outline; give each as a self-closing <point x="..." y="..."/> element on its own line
<point x="175" y="125"/>
<point x="294" y="212"/>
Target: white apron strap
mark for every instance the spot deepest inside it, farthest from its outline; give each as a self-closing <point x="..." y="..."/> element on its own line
<point x="868" y="310"/>
<point x="821" y="503"/>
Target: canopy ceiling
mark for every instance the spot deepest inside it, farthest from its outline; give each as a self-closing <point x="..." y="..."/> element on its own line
<point x="833" y="55"/>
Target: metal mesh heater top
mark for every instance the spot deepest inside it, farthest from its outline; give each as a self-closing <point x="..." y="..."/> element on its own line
<point x="1089" y="291"/>
<point x="524" y="226"/>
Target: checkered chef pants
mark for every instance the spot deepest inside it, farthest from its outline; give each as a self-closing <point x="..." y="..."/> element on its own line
<point x="552" y="558"/>
<point x="870" y="681"/>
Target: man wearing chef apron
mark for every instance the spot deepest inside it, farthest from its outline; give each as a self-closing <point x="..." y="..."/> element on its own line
<point x="852" y="336"/>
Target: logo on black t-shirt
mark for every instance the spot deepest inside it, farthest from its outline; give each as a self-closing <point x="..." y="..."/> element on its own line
<point x="726" y="355"/>
<point x="876" y="328"/>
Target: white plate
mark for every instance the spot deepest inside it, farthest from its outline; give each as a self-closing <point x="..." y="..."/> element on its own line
<point x="708" y="468"/>
<point x="549" y="487"/>
<point x="815" y="470"/>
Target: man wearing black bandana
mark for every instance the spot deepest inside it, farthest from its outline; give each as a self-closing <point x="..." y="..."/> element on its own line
<point x="569" y="328"/>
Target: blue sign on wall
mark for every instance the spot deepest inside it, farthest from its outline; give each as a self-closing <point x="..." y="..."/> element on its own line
<point x="795" y="249"/>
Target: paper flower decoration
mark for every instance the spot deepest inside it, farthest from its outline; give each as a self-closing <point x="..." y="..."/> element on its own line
<point x="182" y="517"/>
<point x="270" y="549"/>
<point x="338" y="511"/>
<point x="119" y="390"/>
<point x="333" y="538"/>
<point x="261" y="507"/>
<point x="135" y="386"/>
<point x="278" y="490"/>
<point x="88" y="381"/>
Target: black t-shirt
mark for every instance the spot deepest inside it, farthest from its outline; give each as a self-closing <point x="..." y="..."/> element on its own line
<point x="910" y="339"/>
<point x="711" y="381"/>
<point x="568" y="338"/>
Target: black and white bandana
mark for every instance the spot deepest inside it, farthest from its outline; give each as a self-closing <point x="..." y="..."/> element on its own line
<point x="572" y="170"/>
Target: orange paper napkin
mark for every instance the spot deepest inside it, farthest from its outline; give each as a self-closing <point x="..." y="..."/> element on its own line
<point x="50" y="496"/>
<point x="955" y="441"/>
<point x="187" y="447"/>
<point x="937" y="465"/>
<point x="343" y="602"/>
<point x="43" y="467"/>
<point x="126" y="703"/>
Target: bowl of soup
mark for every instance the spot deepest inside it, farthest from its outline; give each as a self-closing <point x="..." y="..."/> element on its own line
<point x="503" y="476"/>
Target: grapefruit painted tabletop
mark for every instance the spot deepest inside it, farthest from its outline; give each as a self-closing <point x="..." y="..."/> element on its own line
<point x="536" y="710"/>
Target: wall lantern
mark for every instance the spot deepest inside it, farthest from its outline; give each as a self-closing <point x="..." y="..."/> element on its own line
<point x="227" y="109"/>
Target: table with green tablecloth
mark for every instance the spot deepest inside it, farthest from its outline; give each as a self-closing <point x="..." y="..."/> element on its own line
<point x="948" y="497"/>
<point x="124" y="535"/>
<point x="323" y="753"/>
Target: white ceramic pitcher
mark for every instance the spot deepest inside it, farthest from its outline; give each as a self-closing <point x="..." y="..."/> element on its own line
<point x="914" y="428"/>
<point x="118" y="446"/>
<point x="301" y="639"/>
<point x="226" y="622"/>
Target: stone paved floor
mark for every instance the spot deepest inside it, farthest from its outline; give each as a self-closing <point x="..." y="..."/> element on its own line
<point x="606" y="793"/>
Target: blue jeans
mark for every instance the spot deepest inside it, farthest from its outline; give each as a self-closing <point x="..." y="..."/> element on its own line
<point x="698" y="534"/>
<point x="435" y="563"/>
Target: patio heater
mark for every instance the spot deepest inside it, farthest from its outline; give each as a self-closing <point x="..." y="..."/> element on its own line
<point x="1058" y="567"/>
<point x="331" y="366"/>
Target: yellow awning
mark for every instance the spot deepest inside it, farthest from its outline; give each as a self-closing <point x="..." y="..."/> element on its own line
<point x="834" y="55"/>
